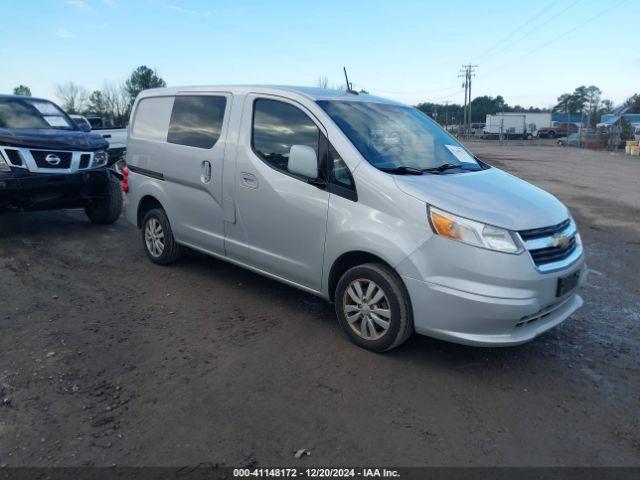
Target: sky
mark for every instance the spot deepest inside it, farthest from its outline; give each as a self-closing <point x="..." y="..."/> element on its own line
<point x="408" y="50"/>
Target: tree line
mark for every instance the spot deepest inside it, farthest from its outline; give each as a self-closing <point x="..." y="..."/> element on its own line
<point x="112" y="103"/>
<point x="584" y="101"/>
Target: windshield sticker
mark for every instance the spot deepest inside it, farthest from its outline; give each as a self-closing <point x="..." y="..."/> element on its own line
<point x="46" y="108"/>
<point x="461" y="154"/>
<point x="56" y="121"/>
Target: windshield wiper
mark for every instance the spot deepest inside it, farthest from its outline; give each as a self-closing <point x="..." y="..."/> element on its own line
<point x="403" y="170"/>
<point x="442" y="168"/>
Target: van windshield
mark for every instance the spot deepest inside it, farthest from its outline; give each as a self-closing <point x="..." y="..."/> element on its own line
<point x="395" y="138"/>
<point x="32" y="114"/>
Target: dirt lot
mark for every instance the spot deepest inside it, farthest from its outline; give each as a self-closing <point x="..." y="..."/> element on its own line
<point x="107" y="359"/>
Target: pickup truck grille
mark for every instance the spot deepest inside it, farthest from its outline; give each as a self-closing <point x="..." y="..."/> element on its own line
<point x="550" y="245"/>
<point x="85" y="159"/>
<point x="14" y="157"/>
<point x="40" y="157"/>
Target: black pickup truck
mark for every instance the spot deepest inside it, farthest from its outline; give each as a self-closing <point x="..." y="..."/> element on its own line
<point x="47" y="162"/>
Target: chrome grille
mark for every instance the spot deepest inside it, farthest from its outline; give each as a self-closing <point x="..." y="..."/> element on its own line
<point x="552" y="247"/>
<point x="40" y="157"/>
<point x="85" y="160"/>
<point x="14" y="157"/>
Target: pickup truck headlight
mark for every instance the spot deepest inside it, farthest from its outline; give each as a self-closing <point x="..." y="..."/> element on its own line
<point x="473" y="233"/>
<point x="100" y="158"/>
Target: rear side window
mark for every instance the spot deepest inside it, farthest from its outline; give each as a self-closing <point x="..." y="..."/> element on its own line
<point x="276" y="127"/>
<point x="152" y="118"/>
<point x="196" y="120"/>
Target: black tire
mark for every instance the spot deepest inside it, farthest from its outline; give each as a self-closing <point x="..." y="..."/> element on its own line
<point x="108" y="208"/>
<point x="171" y="251"/>
<point x="551" y="134"/>
<point x="396" y="299"/>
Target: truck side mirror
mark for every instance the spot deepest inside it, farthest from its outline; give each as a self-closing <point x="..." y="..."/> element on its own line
<point x="303" y="161"/>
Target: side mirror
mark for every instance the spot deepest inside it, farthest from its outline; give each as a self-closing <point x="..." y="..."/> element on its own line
<point x="303" y="161"/>
<point x="85" y="127"/>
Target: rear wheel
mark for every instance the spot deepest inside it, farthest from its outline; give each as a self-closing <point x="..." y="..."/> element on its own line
<point x="106" y="209"/>
<point x="373" y="307"/>
<point x="157" y="238"/>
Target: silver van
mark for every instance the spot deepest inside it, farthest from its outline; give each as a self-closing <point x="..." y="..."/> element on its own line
<point x="363" y="201"/>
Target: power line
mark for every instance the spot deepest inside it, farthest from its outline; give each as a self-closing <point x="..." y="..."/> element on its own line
<point x="418" y="92"/>
<point x="500" y="43"/>
<point x="568" y="32"/>
<point x="526" y="33"/>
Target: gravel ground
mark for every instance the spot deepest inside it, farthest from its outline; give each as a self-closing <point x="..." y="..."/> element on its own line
<point x="107" y="359"/>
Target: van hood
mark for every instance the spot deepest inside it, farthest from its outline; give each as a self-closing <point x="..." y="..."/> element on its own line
<point x="490" y="196"/>
<point x="52" y="139"/>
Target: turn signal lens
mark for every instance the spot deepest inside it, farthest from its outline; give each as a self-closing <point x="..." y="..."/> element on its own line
<point x="443" y="226"/>
<point x="473" y="233"/>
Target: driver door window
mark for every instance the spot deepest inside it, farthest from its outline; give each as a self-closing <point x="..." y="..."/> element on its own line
<point x="276" y="127"/>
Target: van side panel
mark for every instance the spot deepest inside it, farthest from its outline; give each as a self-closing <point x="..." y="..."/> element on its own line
<point x="189" y="177"/>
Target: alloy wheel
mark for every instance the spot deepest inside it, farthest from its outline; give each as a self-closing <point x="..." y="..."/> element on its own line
<point x="367" y="309"/>
<point x="154" y="237"/>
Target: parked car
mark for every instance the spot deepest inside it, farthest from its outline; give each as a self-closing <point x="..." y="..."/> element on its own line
<point x="587" y="138"/>
<point x="559" y="130"/>
<point x="362" y="201"/>
<point x="573" y="140"/>
<point x="48" y="162"/>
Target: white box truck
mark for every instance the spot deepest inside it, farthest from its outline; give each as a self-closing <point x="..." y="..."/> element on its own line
<point x="506" y="126"/>
<point x="532" y="122"/>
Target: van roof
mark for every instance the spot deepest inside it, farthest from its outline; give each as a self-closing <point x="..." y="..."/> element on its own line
<point x="311" y="93"/>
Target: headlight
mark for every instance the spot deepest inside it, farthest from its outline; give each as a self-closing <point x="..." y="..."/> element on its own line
<point x="100" y="158"/>
<point x="473" y="233"/>
<point x="577" y="235"/>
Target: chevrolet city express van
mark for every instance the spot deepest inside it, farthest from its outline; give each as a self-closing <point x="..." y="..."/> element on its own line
<point x="363" y="201"/>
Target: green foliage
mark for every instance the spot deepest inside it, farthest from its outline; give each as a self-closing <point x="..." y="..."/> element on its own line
<point x="141" y="79"/>
<point x="585" y="101"/>
<point x="22" y="90"/>
<point x="626" y="131"/>
<point x="480" y="108"/>
<point x="633" y="102"/>
<point x="97" y="103"/>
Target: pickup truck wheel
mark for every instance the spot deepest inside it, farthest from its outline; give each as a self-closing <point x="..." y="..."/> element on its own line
<point x="373" y="307"/>
<point x="157" y="238"/>
<point x="551" y="134"/>
<point x="106" y="210"/>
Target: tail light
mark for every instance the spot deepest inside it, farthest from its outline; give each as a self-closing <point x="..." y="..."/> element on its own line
<point x="125" y="179"/>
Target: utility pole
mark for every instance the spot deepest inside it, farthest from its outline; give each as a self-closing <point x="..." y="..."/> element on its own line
<point x="446" y="114"/>
<point x="465" y="84"/>
<point x="468" y="72"/>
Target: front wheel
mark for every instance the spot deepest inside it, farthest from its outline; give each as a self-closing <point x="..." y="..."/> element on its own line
<point x="373" y="307"/>
<point x="106" y="209"/>
<point x="157" y="238"/>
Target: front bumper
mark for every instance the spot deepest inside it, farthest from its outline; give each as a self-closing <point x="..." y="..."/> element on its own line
<point x="37" y="181"/>
<point x="21" y="189"/>
<point x="477" y="297"/>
